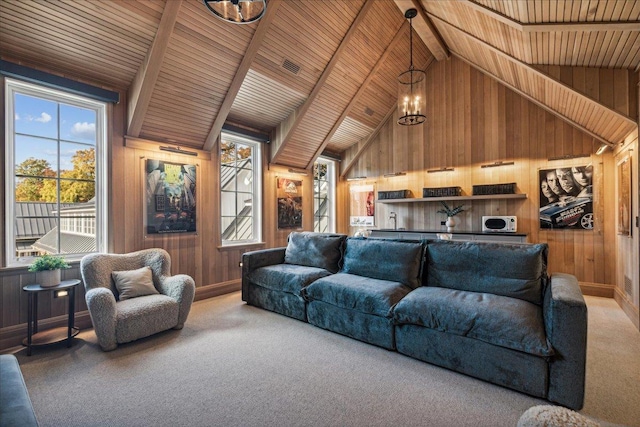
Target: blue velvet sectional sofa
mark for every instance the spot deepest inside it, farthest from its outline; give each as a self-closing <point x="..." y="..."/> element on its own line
<point x="483" y="309"/>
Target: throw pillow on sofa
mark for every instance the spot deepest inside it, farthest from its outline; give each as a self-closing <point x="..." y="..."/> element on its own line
<point x="315" y="250"/>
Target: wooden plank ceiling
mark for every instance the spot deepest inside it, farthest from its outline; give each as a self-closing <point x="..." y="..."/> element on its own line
<point x="506" y="39"/>
<point x="314" y="75"/>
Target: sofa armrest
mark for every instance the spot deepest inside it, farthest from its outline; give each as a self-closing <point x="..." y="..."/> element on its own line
<point x="101" y="304"/>
<point x="565" y="317"/>
<point x="15" y="405"/>
<point x="256" y="259"/>
<point x="181" y="288"/>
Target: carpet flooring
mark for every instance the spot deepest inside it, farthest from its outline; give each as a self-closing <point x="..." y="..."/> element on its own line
<point x="236" y="365"/>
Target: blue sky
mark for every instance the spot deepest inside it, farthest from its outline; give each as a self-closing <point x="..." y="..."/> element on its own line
<point x="38" y="122"/>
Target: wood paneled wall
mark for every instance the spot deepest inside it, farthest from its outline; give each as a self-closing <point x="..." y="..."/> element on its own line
<point x="614" y="88"/>
<point x="474" y="120"/>
<point x="215" y="269"/>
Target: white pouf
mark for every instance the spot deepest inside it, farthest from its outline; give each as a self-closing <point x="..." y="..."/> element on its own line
<point x="554" y="416"/>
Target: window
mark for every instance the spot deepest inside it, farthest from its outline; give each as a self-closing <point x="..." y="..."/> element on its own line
<point x="324" y="206"/>
<point x="240" y="186"/>
<point x="55" y="166"/>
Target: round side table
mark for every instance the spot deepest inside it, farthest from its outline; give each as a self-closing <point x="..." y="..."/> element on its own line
<point x="54" y="335"/>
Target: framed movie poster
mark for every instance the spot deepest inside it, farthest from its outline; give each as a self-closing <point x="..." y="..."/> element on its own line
<point x="362" y="206"/>
<point x="289" y="193"/>
<point x="170" y="205"/>
<point x="624" y="197"/>
<point x="566" y="197"/>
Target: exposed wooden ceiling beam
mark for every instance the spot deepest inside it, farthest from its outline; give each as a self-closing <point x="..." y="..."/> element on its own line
<point x="493" y="14"/>
<point x="581" y="26"/>
<point x="425" y="29"/>
<point x="285" y="130"/>
<point x="144" y="82"/>
<point x="624" y="121"/>
<point x="241" y="73"/>
<point x="550" y="27"/>
<point x="391" y="48"/>
<point x="347" y="167"/>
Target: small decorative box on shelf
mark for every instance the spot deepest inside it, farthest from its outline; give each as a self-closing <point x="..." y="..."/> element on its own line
<point x="442" y="192"/>
<point x="480" y="190"/>
<point x="396" y="194"/>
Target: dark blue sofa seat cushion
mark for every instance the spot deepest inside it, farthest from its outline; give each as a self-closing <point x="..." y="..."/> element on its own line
<point x="494" y="319"/>
<point x="321" y="250"/>
<point x="512" y="270"/>
<point x="291" y="305"/>
<point x="288" y="278"/>
<point x="363" y="294"/>
<point x="384" y="259"/>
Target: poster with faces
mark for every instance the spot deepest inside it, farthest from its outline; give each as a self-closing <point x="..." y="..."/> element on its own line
<point x="566" y="197"/>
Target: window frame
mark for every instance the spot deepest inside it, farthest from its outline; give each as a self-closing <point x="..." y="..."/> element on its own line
<point x="13" y="87"/>
<point x="331" y="193"/>
<point x="256" y="191"/>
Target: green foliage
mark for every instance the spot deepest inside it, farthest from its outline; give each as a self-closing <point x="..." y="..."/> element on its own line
<point x="32" y="173"/>
<point x="48" y="262"/>
<point x="76" y="186"/>
<point x="229" y="152"/>
<point x="450" y="211"/>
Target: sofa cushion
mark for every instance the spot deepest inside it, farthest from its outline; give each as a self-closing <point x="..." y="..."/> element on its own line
<point x="494" y="319"/>
<point x="286" y="277"/>
<point x="363" y="294"/>
<point x="315" y="250"/>
<point x="511" y="270"/>
<point x="384" y="259"/>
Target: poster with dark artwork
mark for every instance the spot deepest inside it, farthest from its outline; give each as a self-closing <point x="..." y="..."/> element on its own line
<point x="170" y="197"/>
<point x="289" y="193"/>
<point x="624" y="197"/>
<point x="566" y="198"/>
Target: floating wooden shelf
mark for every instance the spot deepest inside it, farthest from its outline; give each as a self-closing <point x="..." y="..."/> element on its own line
<point x="452" y="198"/>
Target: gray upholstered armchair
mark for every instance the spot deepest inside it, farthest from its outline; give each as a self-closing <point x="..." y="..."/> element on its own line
<point x="118" y="318"/>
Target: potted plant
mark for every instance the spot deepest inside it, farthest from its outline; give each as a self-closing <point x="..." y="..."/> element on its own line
<point x="450" y="212"/>
<point x="47" y="269"/>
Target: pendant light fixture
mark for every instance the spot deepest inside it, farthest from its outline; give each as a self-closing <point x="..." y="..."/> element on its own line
<point x="411" y="86"/>
<point x="237" y="11"/>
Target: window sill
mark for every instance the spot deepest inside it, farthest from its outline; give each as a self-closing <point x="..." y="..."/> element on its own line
<point x="23" y="268"/>
<point x="233" y="247"/>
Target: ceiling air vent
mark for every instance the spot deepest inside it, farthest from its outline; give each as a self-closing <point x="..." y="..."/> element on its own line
<point x="291" y="67"/>
<point x="368" y="111"/>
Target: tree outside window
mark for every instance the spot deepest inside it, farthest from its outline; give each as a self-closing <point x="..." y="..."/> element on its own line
<point x="52" y="173"/>
<point x="239" y="190"/>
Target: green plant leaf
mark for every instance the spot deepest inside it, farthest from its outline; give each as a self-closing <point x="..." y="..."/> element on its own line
<point x="48" y="262"/>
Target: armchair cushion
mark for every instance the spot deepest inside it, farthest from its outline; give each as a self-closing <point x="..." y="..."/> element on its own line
<point x="134" y="283"/>
<point x="144" y="316"/>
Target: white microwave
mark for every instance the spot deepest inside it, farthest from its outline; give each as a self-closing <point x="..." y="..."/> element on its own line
<point x="499" y="224"/>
